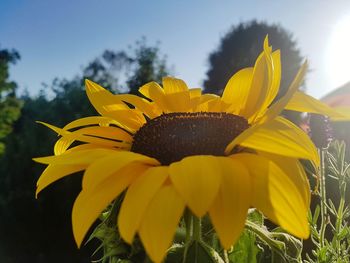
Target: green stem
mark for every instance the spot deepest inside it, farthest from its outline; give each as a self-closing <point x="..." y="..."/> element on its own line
<point x="188" y="224"/>
<point x="323" y="198"/>
<point x="340" y="214"/>
<point x="197" y="231"/>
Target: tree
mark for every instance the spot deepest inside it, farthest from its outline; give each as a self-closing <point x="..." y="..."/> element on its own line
<point x="147" y="65"/>
<point x="241" y="46"/>
<point x="9" y="104"/>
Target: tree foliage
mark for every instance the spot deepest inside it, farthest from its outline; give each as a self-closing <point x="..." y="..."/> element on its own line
<point x="240" y="47"/>
<point x="40" y="230"/>
<point x="148" y="65"/>
<point x="9" y="104"/>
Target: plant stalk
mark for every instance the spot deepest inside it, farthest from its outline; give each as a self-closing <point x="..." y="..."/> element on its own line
<point x="196" y="226"/>
<point x="323" y="198"/>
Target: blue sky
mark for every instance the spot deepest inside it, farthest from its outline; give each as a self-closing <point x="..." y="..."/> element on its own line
<point x="55" y="38"/>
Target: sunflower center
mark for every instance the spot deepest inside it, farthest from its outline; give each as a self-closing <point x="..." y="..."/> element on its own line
<point x="173" y="136"/>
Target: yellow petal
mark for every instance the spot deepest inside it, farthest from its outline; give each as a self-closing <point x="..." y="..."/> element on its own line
<point x="344" y="111"/>
<point x="229" y="210"/>
<point x="204" y="102"/>
<point x="237" y="88"/>
<point x="52" y="173"/>
<point x="109" y="106"/>
<point x="130" y="119"/>
<point x="295" y="171"/>
<point x="76" y="157"/>
<point x="275" y="194"/>
<point x="89" y="204"/>
<point x="100" y="97"/>
<point x="217" y="105"/>
<point x="276" y="79"/>
<point x="305" y="103"/>
<point x="197" y="180"/>
<point x="101" y="169"/>
<point x="62" y="145"/>
<point x="173" y="85"/>
<point x="280" y="105"/>
<point x="195" y="98"/>
<point x="279" y="136"/>
<point x="260" y="84"/>
<point x="93" y="120"/>
<point x="177" y="102"/>
<point x="196" y="92"/>
<point x="109" y="133"/>
<point x="153" y="91"/>
<point x="140" y="103"/>
<point x="91" y="138"/>
<point x="137" y="199"/>
<point x="159" y="223"/>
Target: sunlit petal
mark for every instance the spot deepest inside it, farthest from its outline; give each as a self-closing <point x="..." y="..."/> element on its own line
<point x="295" y="171"/>
<point x="305" y="103"/>
<point x="87" y="121"/>
<point x="280" y="105"/>
<point x="237" y="88"/>
<point x="276" y="195"/>
<point x="173" y="85"/>
<point x="143" y="105"/>
<point x="279" y="136"/>
<point x="100" y="98"/>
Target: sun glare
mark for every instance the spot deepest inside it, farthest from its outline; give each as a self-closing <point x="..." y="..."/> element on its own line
<point x="338" y="55"/>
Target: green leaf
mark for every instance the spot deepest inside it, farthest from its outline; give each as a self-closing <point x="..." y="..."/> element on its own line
<point x="245" y="250"/>
<point x="175" y="254"/>
<point x="199" y="252"/>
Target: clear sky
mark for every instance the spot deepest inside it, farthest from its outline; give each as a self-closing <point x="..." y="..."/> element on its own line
<point x="57" y="37"/>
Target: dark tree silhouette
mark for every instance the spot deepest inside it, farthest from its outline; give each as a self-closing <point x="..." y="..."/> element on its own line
<point x="241" y="46"/>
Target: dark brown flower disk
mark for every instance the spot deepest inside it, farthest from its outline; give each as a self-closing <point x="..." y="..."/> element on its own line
<point x="173" y="136"/>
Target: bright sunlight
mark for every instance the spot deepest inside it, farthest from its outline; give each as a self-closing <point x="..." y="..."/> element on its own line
<point x="338" y="55"/>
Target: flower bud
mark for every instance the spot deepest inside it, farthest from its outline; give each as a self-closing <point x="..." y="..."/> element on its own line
<point x="321" y="132"/>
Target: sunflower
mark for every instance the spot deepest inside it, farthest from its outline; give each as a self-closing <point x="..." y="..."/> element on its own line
<point x="176" y="148"/>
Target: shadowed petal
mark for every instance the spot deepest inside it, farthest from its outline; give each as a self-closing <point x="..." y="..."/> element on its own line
<point x="89" y="204"/>
<point x="137" y="199"/>
<point x="159" y="223"/>
<point x="228" y="212"/>
<point x="197" y="179"/>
